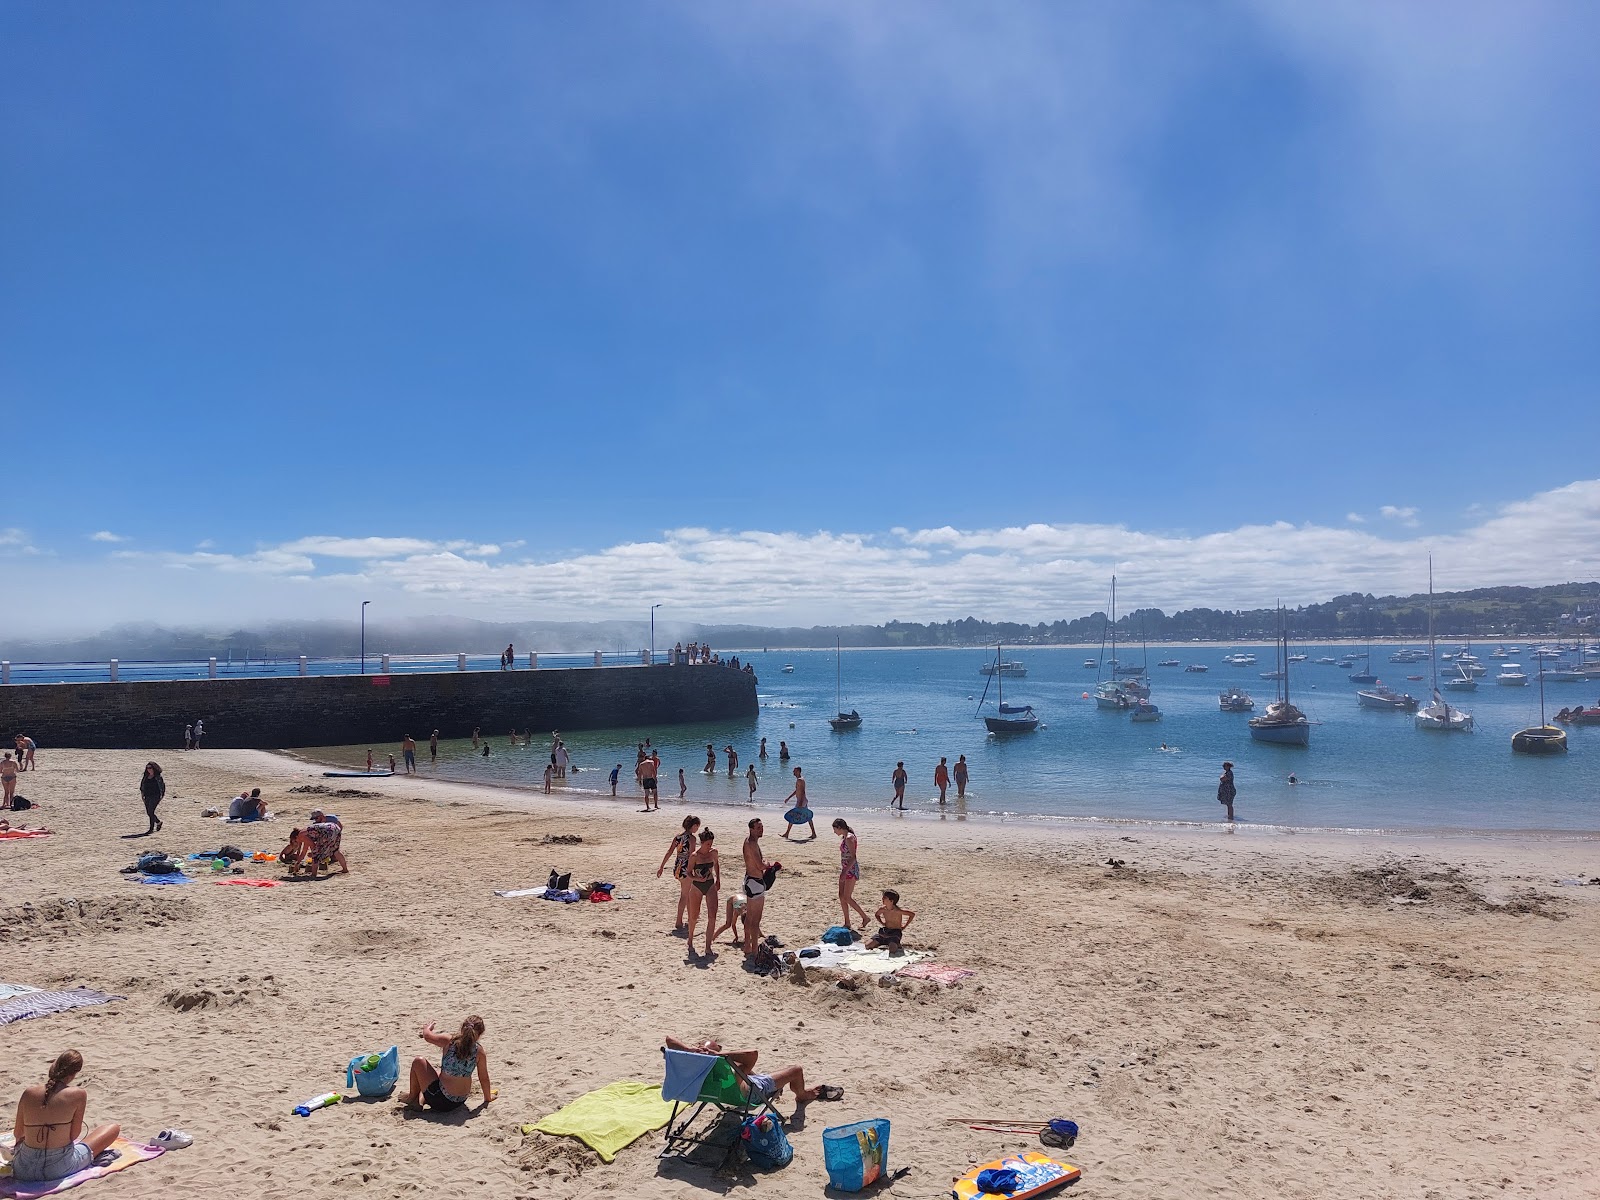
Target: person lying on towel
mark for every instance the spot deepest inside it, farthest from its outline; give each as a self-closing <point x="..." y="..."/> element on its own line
<point x="761" y="1088"/>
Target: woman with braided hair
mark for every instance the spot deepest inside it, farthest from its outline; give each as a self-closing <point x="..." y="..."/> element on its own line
<point x="49" y="1122"/>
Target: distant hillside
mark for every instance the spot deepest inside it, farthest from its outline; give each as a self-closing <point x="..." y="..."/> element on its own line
<point x="1503" y="612"/>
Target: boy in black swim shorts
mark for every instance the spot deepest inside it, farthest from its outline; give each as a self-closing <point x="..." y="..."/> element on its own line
<point x="892" y="921"/>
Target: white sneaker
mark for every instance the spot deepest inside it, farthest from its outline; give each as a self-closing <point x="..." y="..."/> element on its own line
<point x="172" y="1139"/>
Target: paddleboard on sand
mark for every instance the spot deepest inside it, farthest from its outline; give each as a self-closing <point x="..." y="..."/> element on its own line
<point x="1037" y="1174"/>
<point x="357" y="774"/>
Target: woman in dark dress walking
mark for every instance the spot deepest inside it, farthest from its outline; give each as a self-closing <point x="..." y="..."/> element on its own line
<point x="1225" y="789"/>
<point x="152" y="790"/>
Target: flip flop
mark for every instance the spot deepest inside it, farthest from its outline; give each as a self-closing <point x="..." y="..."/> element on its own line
<point x="829" y="1091"/>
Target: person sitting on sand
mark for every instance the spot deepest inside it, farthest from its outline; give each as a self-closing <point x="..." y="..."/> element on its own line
<point x="892" y="921"/>
<point x="248" y="806"/>
<point x="761" y="1088"/>
<point x="448" y="1088"/>
<point x="49" y="1124"/>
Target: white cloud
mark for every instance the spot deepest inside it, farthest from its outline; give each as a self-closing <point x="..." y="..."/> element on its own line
<point x="13" y="537"/>
<point x="105" y="535"/>
<point x="1405" y="515"/>
<point x="1355" y="518"/>
<point x="1025" y="572"/>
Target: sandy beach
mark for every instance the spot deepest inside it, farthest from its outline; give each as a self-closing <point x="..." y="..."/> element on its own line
<point x="1228" y="1014"/>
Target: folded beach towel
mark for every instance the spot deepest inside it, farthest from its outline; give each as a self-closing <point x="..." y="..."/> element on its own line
<point x="40" y="1004"/>
<point x="161" y="879"/>
<point x="8" y="990"/>
<point x="610" y="1118"/>
<point x="538" y="891"/>
<point x="941" y="973"/>
<point x="127" y="1153"/>
<point x="246" y="882"/>
<point x="11" y="834"/>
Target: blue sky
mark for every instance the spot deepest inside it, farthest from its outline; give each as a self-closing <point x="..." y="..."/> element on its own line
<point x="791" y="311"/>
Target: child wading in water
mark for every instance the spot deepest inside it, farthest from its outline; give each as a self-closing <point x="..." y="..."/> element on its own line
<point x="892" y="921"/>
<point x="801" y="813"/>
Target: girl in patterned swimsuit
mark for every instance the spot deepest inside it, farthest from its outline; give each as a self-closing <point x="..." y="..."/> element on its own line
<point x="849" y="872"/>
<point x="681" y="847"/>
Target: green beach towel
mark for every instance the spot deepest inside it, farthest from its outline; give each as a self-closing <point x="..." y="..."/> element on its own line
<point x="606" y="1120"/>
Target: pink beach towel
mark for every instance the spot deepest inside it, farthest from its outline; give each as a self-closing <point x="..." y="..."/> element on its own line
<point x="941" y="973"/>
<point x="130" y="1154"/>
<point x="246" y="882"/>
<point x="24" y="833"/>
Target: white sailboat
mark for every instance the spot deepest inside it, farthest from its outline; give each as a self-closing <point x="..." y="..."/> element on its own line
<point x="1439" y="716"/>
<point x="842" y="722"/>
<point x="1109" y="693"/>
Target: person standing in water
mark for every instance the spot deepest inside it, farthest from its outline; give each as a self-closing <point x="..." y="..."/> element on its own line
<point x="961" y="777"/>
<point x="763" y="753"/>
<point x="433" y="747"/>
<point x="1225" y="789"/>
<point x="801" y="813"/>
<point x="733" y="760"/>
<point x="683" y="785"/>
<point x="711" y="759"/>
<point x="941" y="779"/>
<point x="899" y="780"/>
<point x="750" y="780"/>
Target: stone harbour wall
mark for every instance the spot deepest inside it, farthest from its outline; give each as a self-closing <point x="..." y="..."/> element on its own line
<point x="340" y="710"/>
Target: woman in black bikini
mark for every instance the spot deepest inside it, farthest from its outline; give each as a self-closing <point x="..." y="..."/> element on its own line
<point x="681" y="847"/>
<point x="49" y="1125"/>
<point x="705" y="880"/>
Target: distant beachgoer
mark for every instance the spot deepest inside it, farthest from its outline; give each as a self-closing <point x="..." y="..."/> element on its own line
<point x="941" y="779"/>
<point x="763" y="753"/>
<point x="484" y="750"/>
<point x="188" y="737"/>
<point x="1292" y="779"/>
<point x="549" y="770"/>
<point x="8" y="777"/>
<point x="639" y="755"/>
<point x="369" y="762"/>
<point x="1225" y="789"/>
<point x="750" y="781"/>
<point x="28" y="747"/>
<point x="433" y="747"/>
<point x="783" y="751"/>
<point x="683" y="785"/>
<point x="705" y="881"/>
<point x="563" y="759"/>
<point x="711" y="760"/>
<point x="647" y="779"/>
<point x="615" y="771"/>
<point x="849" y="871"/>
<point x="408" y="747"/>
<point x="961" y="777"/>
<point x="474" y="738"/>
<point x="759" y="875"/>
<point x="49" y="1123"/>
<point x="391" y="764"/>
<point x="448" y="1088"/>
<point x="801" y="813"/>
<point x="511" y="658"/>
<point x="892" y="921"/>
<point x="199" y="732"/>
<point x="678" y="850"/>
<point x="733" y="760"/>
<point x="899" y="780"/>
<point x="152" y="790"/>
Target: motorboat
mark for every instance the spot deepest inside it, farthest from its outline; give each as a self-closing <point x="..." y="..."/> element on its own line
<point x="1272" y="674"/>
<point x="1472" y="667"/>
<point x="788" y="668"/>
<point x="1461" y="681"/>
<point x="1170" y="662"/>
<point x="1544" y="652"/>
<point x="1011" y="670"/>
<point x="1091" y="664"/>
<point x="1561" y="674"/>
<point x="1409" y="655"/>
<point x="1511" y="675"/>
<point x="1144" y="711"/>
<point x="1384" y="697"/>
<point x="1137" y="688"/>
<point x="1294" y="658"/>
<point x="1499" y="652"/>
<point x="1282" y="723"/>
<point x="1579" y="715"/>
<point x="1012" y="718"/>
<point x="1197" y="668"/>
<point x="1235" y="700"/>
<point x="1327" y="662"/>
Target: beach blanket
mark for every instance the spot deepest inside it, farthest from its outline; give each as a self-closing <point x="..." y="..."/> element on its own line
<point x="941" y="973"/>
<point x="858" y="958"/>
<point x="159" y="880"/>
<point x="12" y="834"/>
<point x="538" y="891"/>
<point x="246" y="882"/>
<point x="8" y="990"/>
<point x="37" y="1003"/>
<point x="42" y="1004"/>
<point x="610" y="1118"/>
<point x="128" y="1154"/>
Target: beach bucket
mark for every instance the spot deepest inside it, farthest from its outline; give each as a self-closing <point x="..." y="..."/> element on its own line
<point x="857" y="1154"/>
<point x="374" y="1078"/>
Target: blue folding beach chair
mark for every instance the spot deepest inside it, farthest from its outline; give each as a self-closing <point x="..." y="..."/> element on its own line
<point x="696" y="1082"/>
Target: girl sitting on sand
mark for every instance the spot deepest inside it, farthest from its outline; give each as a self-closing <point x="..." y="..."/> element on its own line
<point x="49" y="1122"/>
<point x="450" y="1086"/>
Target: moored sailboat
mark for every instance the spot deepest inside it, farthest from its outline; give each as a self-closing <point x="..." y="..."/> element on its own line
<point x="1012" y="718"/>
<point x="842" y="722"/>
<point x="1439" y="716"/>
<point x="1282" y="723"/>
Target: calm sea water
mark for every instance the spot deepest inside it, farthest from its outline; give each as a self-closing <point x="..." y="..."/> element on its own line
<point x="1363" y="769"/>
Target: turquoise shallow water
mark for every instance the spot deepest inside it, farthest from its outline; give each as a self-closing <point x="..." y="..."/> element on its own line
<point x="1363" y="769"/>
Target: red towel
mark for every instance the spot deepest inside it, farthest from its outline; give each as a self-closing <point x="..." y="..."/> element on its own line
<point x="246" y="882"/>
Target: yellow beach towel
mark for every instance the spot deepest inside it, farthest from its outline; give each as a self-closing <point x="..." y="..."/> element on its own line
<point x="610" y="1118"/>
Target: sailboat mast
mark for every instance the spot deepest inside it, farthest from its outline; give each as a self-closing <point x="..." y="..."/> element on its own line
<point x="999" y="680"/>
<point x="838" y="674"/>
<point x="1114" y="663"/>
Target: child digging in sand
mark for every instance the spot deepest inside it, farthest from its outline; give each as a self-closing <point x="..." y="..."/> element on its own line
<point x="892" y="921"/>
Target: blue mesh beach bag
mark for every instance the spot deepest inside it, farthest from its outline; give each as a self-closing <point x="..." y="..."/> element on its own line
<point x="374" y="1074"/>
<point x="856" y="1155"/>
<point x="765" y="1143"/>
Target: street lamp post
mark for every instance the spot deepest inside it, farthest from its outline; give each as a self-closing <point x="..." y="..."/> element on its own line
<point x="653" y="608"/>
<point x="364" y="604"/>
